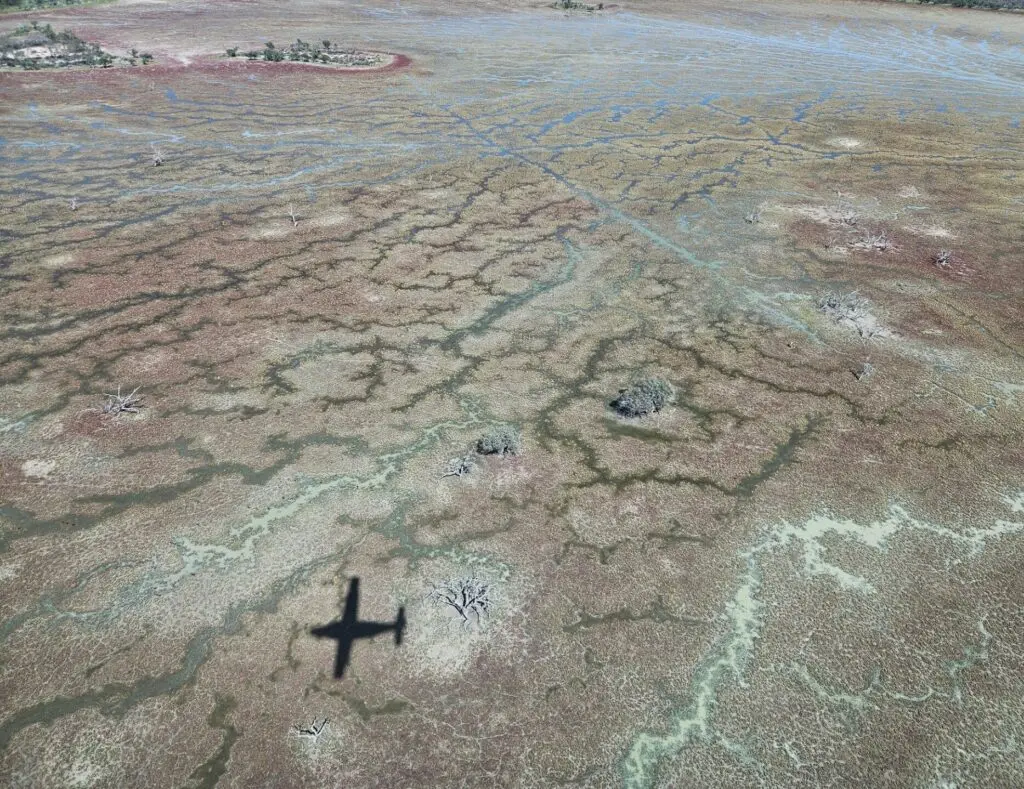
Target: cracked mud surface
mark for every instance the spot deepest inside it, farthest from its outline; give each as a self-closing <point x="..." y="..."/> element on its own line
<point x="335" y="283"/>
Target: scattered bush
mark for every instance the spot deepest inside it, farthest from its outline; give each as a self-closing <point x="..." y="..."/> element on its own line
<point x="644" y="396"/>
<point x="232" y="52"/>
<point x="500" y="440"/>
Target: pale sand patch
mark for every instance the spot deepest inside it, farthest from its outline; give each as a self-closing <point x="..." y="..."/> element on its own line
<point x="439" y="642"/>
<point x="271" y="232"/>
<point x="844" y="142"/>
<point x="825" y="215"/>
<point x="223" y="402"/>
<point x="58" y="261"/>
<point x="9" y="571"/>
<point x="330" y="220"/>
<point x="84" y="774"/>
<point x="909" y="191"/>
<point x="934" y="231"/>
<point x="187" y="56"/>
<point x="1009" y="392"/>
<point x="38" y="469"/>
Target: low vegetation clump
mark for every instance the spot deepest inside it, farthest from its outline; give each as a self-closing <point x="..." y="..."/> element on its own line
<point x="986" y="4"/>
<point x="642" y="397"/>
<point x="32" y="5"/>
<point x="38" y="46"/>
<point x="500" y="440"/>
<point x="306" y="52"/>
<point x="575" y="5"/>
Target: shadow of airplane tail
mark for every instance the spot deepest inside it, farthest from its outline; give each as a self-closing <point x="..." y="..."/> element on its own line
<point x="399" y="626"/>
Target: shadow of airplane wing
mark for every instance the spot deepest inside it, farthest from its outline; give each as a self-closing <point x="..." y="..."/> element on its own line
<point x="399" y="626"/>
<point x="351" y="602"/>
<point x="342" y="657"/>
<point x="326" y="631"/>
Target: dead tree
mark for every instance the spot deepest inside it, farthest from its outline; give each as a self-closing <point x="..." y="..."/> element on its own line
<point x="458" y="467"/>
<point x="119" y="404"/>
<point x="313" y="730"/>
<point x="468" y="597"/>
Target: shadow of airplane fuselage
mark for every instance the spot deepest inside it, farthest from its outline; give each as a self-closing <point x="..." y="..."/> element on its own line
<point x="347" y="629"/>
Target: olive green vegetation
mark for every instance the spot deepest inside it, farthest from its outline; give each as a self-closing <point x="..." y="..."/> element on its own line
<point x="64" y="49"/>
<point x="575" y="5"/>
<point x="990" y="5"/>
<point x="38" y="5"/>
<point x="500" y="440"/>
<point x="306" y="52"/>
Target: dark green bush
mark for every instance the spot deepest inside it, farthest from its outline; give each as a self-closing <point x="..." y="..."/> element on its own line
<point x="500" y="440"/>
<point x="642" y="397"/>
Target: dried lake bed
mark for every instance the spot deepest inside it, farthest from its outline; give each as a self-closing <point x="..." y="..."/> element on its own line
<point x="804" y="571"/>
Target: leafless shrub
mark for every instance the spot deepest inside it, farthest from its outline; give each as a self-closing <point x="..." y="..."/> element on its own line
<point x="852" y="311"/>
<point x="842" y="212"/>
<point x="74" y="204"/>
<point x="459" y="467"/>
<point x="866" y="370"/>
<point x="875" y="242"/>
<point x="158" y="157"/>
<point x="753" y="217"/>
<point x="943" y="258"/>
<point x="291" y="214"/>
<point x="313" y="730"/>
<point x="117" y="404"/>
<point x="468" y="597"/>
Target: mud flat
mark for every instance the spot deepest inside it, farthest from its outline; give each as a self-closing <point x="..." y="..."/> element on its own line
<point x="377" y="321"/>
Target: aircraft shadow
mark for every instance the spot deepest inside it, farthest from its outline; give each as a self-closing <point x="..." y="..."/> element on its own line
<point x="348" y="629"/>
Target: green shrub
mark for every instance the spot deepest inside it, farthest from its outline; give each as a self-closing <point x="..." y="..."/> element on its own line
<point x="500" y="440"/>
<point x="642" y="397"/>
